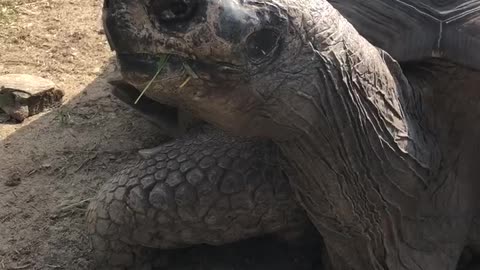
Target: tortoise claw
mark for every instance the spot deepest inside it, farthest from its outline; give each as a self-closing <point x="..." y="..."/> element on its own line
<point x="150" y="152"/>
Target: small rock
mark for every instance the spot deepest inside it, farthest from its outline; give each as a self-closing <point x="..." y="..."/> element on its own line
<point x="13" y="180"/>
<point x="46" y="165"/>
<point x="23" y="95"/>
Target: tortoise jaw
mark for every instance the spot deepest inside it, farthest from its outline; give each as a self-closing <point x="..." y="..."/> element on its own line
<point x="142" y="67"/>
<point x="139" y="62"/>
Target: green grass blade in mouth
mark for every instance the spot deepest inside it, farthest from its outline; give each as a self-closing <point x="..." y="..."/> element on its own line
<point x="190" y="71"/>
<point x="191" y="74"/>
<point x="161" y="64"/>
<point x="185" y="82"/>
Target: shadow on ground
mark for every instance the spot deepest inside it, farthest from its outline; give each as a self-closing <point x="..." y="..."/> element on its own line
<point x="51" y="167"/>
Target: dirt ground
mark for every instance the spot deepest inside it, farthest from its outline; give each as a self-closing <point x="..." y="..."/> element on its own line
<point x="62" y="156"/>
<point x="57" y="160"/>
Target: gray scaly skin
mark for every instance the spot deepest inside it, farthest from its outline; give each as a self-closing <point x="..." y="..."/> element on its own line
<point x="384" y="166"/>
<point x="202" y="188"/>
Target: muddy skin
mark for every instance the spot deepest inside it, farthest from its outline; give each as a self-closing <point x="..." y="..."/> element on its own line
<point x="386" y="156"/>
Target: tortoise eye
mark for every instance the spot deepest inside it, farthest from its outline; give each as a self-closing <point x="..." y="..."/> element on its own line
<point x="262" y="44"/>
<point x="173" y="10"/>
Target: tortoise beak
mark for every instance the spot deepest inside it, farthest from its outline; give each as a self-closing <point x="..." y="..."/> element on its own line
<point x="143" y="63"/>
<point x="104" y="24"/>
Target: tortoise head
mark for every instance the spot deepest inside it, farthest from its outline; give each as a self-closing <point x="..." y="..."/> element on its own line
<point x="225" y="57"/>
<point x="235" y="63"/>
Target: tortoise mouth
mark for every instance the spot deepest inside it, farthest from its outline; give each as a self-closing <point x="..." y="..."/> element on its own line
<point x="142" y="66"/>
<point x="147" y="64"/>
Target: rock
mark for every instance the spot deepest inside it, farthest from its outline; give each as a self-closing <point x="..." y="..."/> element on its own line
<point x="23" y="95"/>
<point x="13" y="180"/>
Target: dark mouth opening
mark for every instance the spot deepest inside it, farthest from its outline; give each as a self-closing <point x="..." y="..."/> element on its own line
<point x="149" y="64"/>
<point x="144" y="63"/>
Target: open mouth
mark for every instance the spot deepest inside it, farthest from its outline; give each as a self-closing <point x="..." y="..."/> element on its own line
<point x="149" y="64"/>
<point x="173" y="72"/>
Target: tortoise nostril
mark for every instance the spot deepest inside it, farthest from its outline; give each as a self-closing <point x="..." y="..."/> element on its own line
<point x="173" y="10"/>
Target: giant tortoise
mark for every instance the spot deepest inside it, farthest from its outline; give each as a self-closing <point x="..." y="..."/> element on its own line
<point x="380" y="155"/>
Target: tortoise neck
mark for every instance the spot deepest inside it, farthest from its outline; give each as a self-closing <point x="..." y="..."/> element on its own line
<point x="362" y="145"/>
<point x="357" y="92"/>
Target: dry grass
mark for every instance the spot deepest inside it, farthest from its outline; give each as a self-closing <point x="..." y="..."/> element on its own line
<point x="8" y="12"/>
<point x="160" y="65"/>
<point x="60" y="156"/>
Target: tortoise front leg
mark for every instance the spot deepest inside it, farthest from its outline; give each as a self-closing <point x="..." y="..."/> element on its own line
<point x="204" y="188"/>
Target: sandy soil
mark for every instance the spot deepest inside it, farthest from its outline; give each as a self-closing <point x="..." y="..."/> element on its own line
<point x="62" y="156"/>
<point x="52" y="164"/>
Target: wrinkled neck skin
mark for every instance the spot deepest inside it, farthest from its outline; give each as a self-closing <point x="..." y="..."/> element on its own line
<point x="377" y="179"/>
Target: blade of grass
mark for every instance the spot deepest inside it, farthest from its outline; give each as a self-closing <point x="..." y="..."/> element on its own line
<point x="185" y="82"/>
<point x="161" y="65"/>
<point x="190" y="71"/>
